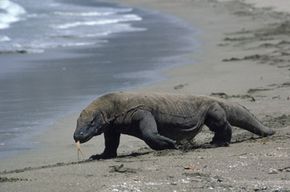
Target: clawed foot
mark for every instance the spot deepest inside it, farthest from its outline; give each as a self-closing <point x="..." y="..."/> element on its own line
<point x="102" y="156"/>
<point x="95" y="157"/>
<point x="214" y="145"/>
<point x="218" y="143"/>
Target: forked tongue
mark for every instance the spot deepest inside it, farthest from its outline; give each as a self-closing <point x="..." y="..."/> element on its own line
<point x="79" y="151"/>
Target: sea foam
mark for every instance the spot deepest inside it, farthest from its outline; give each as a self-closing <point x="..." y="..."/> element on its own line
<point x="84" y="14"/>
<point x="4" y="38"/>
<point x="123" y="18"/>
<point x="11" y="13"/>
<point x="94" y="13"/>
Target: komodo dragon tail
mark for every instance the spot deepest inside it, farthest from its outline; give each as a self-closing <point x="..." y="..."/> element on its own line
<point x="240" y="116"/>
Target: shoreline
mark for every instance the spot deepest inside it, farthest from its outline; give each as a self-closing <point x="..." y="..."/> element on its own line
<point x="64" y="80"/>
<point x="240" y="72"/>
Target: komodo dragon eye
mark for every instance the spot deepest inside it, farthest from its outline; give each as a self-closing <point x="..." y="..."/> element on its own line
<point x="93" y="122"/>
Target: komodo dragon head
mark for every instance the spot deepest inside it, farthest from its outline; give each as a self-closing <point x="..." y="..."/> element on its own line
<point x="89" y="124"/>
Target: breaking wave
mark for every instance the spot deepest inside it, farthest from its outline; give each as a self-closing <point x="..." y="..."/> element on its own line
<point x="124" y="18"/>
<point x="62" y="25"/>
<point x="10" y="12"/>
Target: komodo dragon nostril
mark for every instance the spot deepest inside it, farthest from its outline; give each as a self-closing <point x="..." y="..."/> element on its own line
<point x="81" y="133"/>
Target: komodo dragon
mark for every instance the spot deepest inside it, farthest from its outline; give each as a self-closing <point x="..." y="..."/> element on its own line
<point x="161" y="119"/>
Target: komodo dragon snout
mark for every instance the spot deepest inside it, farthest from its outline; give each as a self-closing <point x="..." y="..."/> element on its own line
<point x="89" y="125"/>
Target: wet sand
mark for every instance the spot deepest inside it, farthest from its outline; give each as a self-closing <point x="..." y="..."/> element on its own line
<point x="244" y="57"/>
<point x="37" y="89"/>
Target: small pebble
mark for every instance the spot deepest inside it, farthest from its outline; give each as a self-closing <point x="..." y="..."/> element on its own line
<point x="273" y="171"/>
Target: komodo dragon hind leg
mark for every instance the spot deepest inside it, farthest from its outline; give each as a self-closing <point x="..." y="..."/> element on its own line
<point x="149" y="132"/>
<point x="217" y="122"/>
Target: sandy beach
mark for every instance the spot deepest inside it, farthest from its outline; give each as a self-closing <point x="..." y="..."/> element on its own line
<point x="244" y="56"/>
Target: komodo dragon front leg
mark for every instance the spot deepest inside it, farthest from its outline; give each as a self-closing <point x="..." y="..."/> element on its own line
<point x="148" y="131"/>
<point x="112" y="140"/>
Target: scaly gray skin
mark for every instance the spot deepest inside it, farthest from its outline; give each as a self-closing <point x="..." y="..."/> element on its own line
<point x="161" y="120"/>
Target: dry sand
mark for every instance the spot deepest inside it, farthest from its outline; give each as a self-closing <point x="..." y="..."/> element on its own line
<point x="277" y="5"/>
<point x="244" y="57"/>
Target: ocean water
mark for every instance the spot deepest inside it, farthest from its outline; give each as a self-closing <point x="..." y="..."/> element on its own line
<point x="58" y="55"/>
<point x="37" y="25"/>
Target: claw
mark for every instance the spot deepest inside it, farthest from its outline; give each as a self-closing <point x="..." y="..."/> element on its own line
<point x="95" y="157"/>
